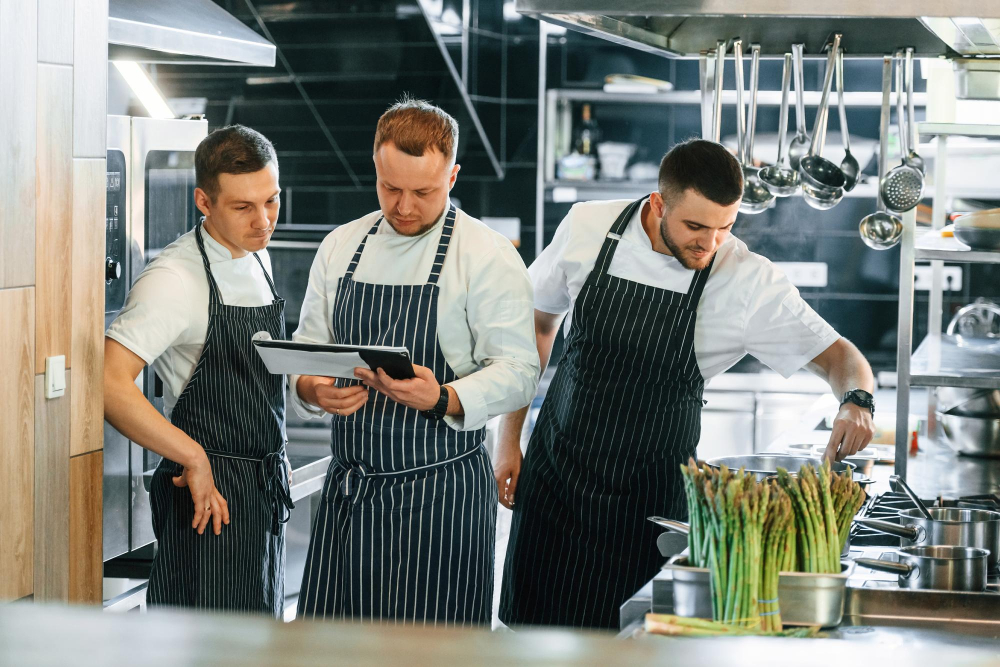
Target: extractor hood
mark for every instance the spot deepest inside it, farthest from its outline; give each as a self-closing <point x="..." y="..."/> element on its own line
<point x="871" y="28"/>
<point x="196" y="32"/>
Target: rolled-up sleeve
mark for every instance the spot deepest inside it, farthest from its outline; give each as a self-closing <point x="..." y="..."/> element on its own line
<point x="314" y="321"/>
<point x="500" y="311"/>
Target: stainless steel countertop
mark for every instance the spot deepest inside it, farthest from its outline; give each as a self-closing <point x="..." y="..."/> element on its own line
<point x="934" y="470"/>
<point x="60" y="635"/>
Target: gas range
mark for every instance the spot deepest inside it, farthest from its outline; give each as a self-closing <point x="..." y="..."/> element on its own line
<point x="868" y="543"/>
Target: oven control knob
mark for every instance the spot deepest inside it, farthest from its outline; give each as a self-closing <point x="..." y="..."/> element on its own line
<point x="112" y="270"/>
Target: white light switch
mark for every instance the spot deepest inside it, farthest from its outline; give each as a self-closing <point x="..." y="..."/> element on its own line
<point x="55" y="376"/>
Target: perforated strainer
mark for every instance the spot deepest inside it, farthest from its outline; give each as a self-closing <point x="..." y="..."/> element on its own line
<point x="903" y="187"/>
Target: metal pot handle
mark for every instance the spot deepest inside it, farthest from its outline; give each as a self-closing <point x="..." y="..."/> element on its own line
<point x="901" y="569"/>
<point x="906" y="532"/>
<point x="670" y="524"/>
<point x="901" y="483"/>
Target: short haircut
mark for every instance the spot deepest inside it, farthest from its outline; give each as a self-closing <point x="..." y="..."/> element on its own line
<point x="703" y="166"/>
<point x="414" y="126"/>
<point x="234" y="149"/>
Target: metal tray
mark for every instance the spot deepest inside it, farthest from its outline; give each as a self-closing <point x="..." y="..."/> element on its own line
<point x="805" y="598"/>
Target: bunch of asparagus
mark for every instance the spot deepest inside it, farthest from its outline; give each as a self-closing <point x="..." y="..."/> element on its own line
<point x="824" y="505"/>
<point x="747" y="532"/>
<point x="740" y="530"/>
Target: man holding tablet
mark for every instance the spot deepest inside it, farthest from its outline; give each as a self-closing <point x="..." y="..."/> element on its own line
<point x="406" y="528"/>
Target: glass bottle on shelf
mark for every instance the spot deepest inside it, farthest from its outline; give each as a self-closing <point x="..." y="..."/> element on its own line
<point x="588" y="135"/>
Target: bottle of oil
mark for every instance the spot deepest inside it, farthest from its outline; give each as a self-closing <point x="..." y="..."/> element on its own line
<point x="588" y="134"/>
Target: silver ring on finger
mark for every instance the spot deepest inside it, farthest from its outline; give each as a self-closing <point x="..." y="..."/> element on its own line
<point x="208" y="509"/>
<point x="338" y="411"/>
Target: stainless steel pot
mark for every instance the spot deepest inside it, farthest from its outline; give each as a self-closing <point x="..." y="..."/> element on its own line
<point x="943" y="568"/>
<point x="764" y="465"/>
<point x="805" y="598"/>
<point x="948" y="526"/>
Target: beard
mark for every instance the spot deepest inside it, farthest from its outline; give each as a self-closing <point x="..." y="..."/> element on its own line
<point x="410" y="229"/>
<point x="686" y="254"/>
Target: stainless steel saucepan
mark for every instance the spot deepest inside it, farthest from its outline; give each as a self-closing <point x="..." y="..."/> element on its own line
<point x="948" y="526"/>
<point x="942" y="568"/>
<point x="944" y="526"/>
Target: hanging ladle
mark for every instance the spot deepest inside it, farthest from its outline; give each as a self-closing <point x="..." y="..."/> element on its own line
<point x="822" y="180"/>
<point x="779" y="178"/>
<point x="882" y="230"/>
<point x="799" y="146"/>
<point x="756" y="197"/>
<point x="849" y="165"/>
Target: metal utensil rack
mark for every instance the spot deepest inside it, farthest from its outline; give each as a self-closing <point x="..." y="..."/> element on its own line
<point x="936" y="362"/>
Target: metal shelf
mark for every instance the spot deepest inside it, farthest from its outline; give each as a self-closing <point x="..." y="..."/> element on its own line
<point x="950" y="249"/>
<point x="693" y="97"/>
<point x="954" y="361"/>
<point x="574" y="191"/>
<point x="560" y="191"/>
<point x="959" y="130"/>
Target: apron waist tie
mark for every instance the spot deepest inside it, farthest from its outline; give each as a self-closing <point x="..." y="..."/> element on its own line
<point x="273" y="478"/>
<point x="350" y="479"/>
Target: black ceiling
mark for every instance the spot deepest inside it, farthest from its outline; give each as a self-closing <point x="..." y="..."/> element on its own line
<point x="340" y="64"/>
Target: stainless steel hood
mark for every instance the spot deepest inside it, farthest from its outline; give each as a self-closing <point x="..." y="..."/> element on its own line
<point x="197" y="32"/>
<point x="871" y="28"/>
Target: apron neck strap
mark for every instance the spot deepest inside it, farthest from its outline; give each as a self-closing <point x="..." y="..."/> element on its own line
<point x="442" y="249"/>
<point x="270" y="283"/>
<point x="611" y="240"/>
<point x="698" y="283"/>
<point x="349" y="274"/>
<point x="214" y="296"/>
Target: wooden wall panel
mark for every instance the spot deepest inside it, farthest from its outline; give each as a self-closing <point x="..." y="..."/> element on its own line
<point x="51" y="493"/>
<point x="53" y="218"/>
<point x="90" y="79"/>
<point x="18" y="48"/>
<point x="86" y="477"/>
<point x="55" y="34"/>
<point x="17" y="433"/>
<point x="87" y="425"/>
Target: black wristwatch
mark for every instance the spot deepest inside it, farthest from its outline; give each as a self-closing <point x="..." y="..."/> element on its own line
<point x="861" y="398"/>
<point x="440" y="409"/>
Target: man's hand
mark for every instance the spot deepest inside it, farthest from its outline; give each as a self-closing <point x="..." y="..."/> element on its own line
<point x="852" y="431"/>
<point x="420" y="393"/>
<point x="209" y="505"/>
<point x="507" y="469"/>
<point x="322" y="392"/>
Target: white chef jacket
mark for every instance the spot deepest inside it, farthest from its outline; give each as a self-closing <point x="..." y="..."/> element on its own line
<point x="748" y="305"/>
<point x="485" y="310"/>
<point x="165" y="317"/>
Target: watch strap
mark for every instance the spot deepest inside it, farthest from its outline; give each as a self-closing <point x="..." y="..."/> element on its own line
<point x="440" y="409"/>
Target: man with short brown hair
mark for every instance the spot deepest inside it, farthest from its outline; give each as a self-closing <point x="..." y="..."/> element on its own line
<point x="191" y="316"/>
<point x="406" y="528"/>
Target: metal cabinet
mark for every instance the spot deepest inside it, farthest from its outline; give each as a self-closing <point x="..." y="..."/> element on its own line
<point x="727" y="424"/>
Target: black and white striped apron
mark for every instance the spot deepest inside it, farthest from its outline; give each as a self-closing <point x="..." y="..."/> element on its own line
<point x="234" y="408"/>
<point x="405" y="532"/>
<point x="622" y="413"/>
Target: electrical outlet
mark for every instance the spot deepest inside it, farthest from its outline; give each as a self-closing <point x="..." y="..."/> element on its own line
<point x="951" y="278"/>
<point x="805" y="274"/>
